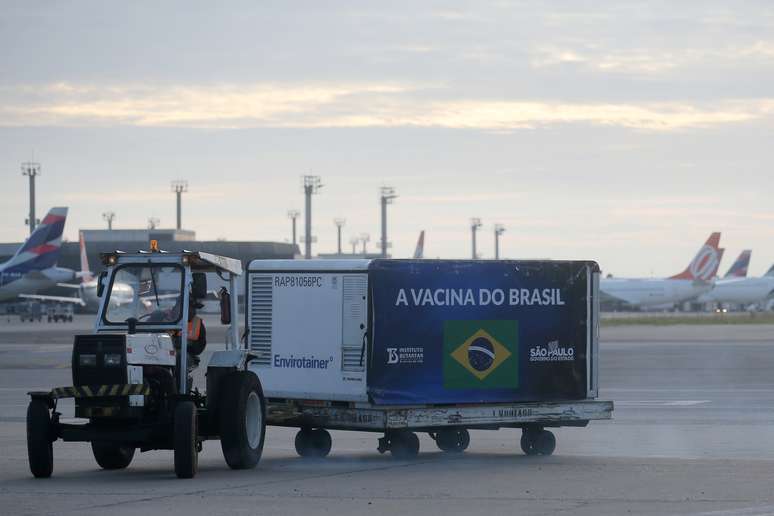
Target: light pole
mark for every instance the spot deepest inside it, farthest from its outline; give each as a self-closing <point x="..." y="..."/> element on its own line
<point x="312" y="185"/>
<point x="179" y="186"/>
<point x="365" y="238"/>
<point x="153" y="222"/>
<point x="339" y="224"/>
<point x="293" y="215"/>
<point x="31" y="170"/>
<point x="475" y="224"/>
<point x="499" y="229"/>
<point x="386" y="196"/>
<point x="353" y="242"/>
<point x="108" y="216"/>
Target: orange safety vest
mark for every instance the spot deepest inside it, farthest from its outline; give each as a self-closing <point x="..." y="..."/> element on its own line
<point x="194" y="328"/>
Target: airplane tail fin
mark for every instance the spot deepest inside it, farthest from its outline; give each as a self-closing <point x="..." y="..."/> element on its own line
<point x="419" y="252"/>
<point x="704" y="265"/>
<point x="42" y="248"/>
<point x="770" y="272"/>
<point x="85" y="273"/>
<point x="740" y="266"/>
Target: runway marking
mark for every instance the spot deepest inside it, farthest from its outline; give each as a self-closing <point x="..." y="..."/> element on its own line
<point x="661" y="403"/>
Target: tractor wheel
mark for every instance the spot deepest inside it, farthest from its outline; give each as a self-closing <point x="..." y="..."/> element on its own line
<point x="242" y="419"/>
<point x="185" y="440"/>
<point x="40" y="445"/>
<point x="112" y="455"/>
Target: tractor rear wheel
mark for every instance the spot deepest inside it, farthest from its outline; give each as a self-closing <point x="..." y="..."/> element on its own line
<point x="242" y="410"/>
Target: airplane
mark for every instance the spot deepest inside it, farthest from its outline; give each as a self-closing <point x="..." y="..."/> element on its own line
<point x="695" y="280"/>
<point x="741" y="290"/>
<point x="419" y="252"/>
<point x="33" y="267"/>
<point x="121" y="293"/>
<point x="739" y="268"/>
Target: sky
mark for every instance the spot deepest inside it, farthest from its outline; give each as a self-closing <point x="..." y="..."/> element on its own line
<point x="619" y="131"/>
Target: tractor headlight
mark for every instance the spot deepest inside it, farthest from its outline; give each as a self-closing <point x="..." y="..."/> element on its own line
<point x="112" y="359"/>
<point x="87" y="360"/>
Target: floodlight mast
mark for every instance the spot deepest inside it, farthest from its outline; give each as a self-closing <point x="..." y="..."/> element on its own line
<point x="353" y="242"/>
<point x="179" y="186"/>
<point x="386" y="196"/>
<point x="31" y="170"/>
<point x="312" y="185"/>
<point x="499" y="229"/>
<point x="293" y="215"/>
<point x="475" y="224"/>
<point x="339" y="224"/>
<point x="109" y="216"/>
<point x="364" y="239"/>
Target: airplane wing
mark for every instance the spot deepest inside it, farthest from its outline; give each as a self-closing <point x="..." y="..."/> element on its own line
<point x="68" y="285"/>
<point x="54" y="299"/>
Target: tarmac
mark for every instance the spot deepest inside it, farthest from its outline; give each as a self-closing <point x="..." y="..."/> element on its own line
<point x="692" y="434"/>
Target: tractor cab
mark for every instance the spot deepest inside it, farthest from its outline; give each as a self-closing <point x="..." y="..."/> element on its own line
<point x="152" y="297"/>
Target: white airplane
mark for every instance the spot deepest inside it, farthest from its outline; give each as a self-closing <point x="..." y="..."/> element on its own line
<point x="33" y="267"/>
<point x="740" y="290"/>
<point x="121" y="293"/>
<point x="695" y="280"/>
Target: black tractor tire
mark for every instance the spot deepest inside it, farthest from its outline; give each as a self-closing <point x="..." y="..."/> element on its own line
<point x="313" y="443"/>
<point x="242" y="419"/>
<point x="404" y="445"/>
<point x="40" y="445"/>
<point x="185" y="440"/>
<point x="453" y="440"/>
<point x="112" y="455"/>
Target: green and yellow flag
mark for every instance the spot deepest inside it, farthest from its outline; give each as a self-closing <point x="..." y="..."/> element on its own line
<point x="480" y="355"/>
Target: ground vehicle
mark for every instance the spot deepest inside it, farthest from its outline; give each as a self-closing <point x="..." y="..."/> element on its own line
<point x="60" y="312"/>
<point x="31" y="311"/>
<point x="405" y="346"/>
<point x="131" y="378"/>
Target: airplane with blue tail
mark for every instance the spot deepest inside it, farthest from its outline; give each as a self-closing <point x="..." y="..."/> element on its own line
<point x="33" y="267"/>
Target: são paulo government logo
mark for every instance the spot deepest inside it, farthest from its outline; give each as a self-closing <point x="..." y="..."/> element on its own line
<point x="480" y="355"/>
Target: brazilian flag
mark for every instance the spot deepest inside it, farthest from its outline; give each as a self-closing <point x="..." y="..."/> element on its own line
<point x="480" y="355"/>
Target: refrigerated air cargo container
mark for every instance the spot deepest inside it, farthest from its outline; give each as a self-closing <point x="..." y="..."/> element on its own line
<point x="436" y="346"/>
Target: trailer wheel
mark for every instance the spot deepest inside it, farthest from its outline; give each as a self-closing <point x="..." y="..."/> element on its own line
<point x="242" y="419"/>
<point x="453" y="440"/>
<point x="546" y="443"/>
<point x="404" y="445"/>
<point x="112" y="455"/>
<point x="185" y="440"/>
<point x="40" y="445"/>
<point x="313" y="443"/>
<point x="537" y="442"/>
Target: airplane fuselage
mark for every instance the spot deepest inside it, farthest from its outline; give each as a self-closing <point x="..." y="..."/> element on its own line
<point x="740" y="291"/>
<point x="652" y="292"/>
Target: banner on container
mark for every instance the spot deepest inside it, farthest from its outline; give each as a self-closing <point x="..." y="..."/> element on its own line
<point x="471" y="331"/>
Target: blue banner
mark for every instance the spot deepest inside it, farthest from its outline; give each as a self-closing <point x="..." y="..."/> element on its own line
<point x="448" y="332"/>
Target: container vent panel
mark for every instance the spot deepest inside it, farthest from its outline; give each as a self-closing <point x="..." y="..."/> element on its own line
<point x="260" y="317"/>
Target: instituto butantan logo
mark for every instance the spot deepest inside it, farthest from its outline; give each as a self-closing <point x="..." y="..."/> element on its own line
<point x="480" y="354"/>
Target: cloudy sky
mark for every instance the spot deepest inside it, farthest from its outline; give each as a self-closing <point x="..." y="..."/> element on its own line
<point x="618" y="131"/>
